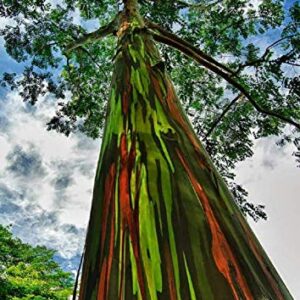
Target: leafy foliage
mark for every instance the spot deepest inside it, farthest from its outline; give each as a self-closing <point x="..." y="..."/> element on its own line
<point x="28" y="272"/>
<point x="259" y="43"/>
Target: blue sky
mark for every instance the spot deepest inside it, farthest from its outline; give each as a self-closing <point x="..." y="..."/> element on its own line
<point x="46" y="182"/>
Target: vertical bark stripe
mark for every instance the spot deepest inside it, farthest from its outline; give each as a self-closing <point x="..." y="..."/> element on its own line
<point x="103" y="280"/>
<point x="111" y="247"/>
<point x="126" y="93"/>
<point x="122" y="263"/>
<point x="108" y="199"/>
<point x="124" y="181"/>
<point x="263" y="265"/>
<point x="222" y="253"/>
<point x="177" y="115"/>
<point x="127" y="213"/>
<point x="170" y="272"/>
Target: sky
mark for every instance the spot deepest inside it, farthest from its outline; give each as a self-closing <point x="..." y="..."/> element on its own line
<point x="272" y="178"/>
<point x="46" y="182"/>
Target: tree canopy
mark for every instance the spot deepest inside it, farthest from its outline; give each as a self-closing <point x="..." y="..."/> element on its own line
<point x="28" y="272"/>
<point x="245" y="88"/>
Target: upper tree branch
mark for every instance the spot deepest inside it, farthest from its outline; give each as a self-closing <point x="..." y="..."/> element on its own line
<point x="211" y="64"/>
<point x="94" y="36"/>
<point x="199" y="6"/>
<point x="172" y="37"/>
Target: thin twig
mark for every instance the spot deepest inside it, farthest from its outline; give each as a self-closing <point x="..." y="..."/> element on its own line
<point x="263" y="57"/>
<point x="221" y="116"/>
<point x="77" y="276"/>
<point x="292" y="64"/>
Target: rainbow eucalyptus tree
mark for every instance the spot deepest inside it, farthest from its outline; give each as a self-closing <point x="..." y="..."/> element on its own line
<point x="163" y="223"/>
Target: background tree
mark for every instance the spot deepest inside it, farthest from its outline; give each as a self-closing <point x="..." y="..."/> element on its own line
<point x="28" y="272"/>
<point x="253" y="93"/>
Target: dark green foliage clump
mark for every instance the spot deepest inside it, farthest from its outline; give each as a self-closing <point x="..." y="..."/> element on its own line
<point x="30" y="273"/>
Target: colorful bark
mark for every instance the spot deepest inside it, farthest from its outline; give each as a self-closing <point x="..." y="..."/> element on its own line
<point x="163" y="224"/>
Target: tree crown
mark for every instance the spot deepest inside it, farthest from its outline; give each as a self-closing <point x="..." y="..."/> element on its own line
<point x="28" y="272"/>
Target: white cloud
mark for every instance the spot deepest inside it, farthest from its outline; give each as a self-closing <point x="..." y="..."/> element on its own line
<point x="5" y="147"/>
<point x="5" y="21"/>
<point x="36" y="200"/>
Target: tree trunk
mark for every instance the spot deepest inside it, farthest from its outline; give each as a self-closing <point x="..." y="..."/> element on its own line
<point x="163" y="224"/>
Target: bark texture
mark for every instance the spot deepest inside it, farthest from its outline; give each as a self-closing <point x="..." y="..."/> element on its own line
<point x="163" y="224"/>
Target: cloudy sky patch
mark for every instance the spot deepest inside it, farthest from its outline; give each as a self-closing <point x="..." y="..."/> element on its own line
<point x="271" y="177"/>
<point x="46" y="179"/>
<point x="27" y="164"/>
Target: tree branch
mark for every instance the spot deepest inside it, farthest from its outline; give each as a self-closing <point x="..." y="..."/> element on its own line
<point x="94" y="60"/>
<point x="264" y="55"/>
<point x="292" y="64"/>
<point x="211" y="64"/>
<point x="172" y="37"/>
<point x="198" y="6"/>
<point x="94" y="36"/>
<point x="221" y="116"/>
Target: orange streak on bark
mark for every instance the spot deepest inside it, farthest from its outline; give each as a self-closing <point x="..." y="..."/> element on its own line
<point x="155" y="82"/>
<point x="108" y="193"/>
<point x="108" y="207"/>
<point x="170" y="272"/>
<point x="222" y="253"/>
<point x="177" y="115"/>
<point x="124" y="181"/>
<point x="262" y="263"/>
<point x="173" y="108"/>
<point x="123" y="27"/>
<point x="128" y="220"/>
<point x="102" y="282"/>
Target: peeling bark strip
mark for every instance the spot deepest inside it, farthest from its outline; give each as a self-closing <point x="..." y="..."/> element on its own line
<point x="163" y="225"/>
<point x="222" y="254"/>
